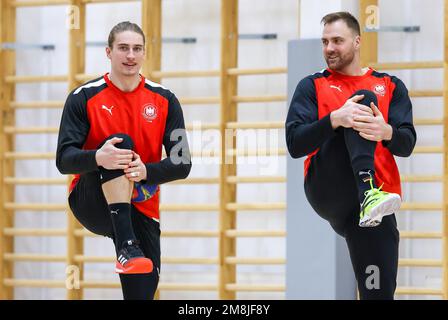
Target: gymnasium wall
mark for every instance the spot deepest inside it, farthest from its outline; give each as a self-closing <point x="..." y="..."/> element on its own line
<point x="201" y="19"/>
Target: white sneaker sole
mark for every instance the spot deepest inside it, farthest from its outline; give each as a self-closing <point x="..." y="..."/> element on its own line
<point x="387" y="207"/>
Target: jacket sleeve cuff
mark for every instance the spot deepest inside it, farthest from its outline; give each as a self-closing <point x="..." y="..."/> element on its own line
<point x="391" y="144"/>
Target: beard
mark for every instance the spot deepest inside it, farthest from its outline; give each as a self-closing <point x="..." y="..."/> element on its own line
<point x="339" y="62"/>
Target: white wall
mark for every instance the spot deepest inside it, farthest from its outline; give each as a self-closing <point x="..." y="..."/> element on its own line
<point x="201" y="19"/>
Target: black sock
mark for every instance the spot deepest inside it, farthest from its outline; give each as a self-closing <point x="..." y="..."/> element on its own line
<point x="364" y="177"/>
<point x="121" y="221"/>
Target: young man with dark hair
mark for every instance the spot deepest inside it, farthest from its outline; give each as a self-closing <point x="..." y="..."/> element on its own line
<point x="350" y="121"/>
<point x="111" y="136"/>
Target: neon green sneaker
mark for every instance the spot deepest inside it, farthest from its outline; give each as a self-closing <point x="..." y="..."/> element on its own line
<point x="376" y="205"/>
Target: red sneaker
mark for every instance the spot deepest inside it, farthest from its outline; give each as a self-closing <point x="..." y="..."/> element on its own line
<point x="131" y="259"/>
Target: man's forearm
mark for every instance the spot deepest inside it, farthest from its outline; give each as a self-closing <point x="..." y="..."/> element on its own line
<point x="166" y="171"/>
<point x="305" y="138"/>
<point x="76" y="161"/>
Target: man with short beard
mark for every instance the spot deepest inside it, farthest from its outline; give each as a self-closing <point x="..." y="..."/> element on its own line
<point x="350" y="121"/>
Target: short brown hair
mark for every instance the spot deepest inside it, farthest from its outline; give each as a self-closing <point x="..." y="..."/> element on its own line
<point x="347" y="17"/>
<point x="121" y="27"/>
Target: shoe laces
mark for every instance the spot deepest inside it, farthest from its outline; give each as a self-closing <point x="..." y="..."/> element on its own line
<point x="370" y="198"/>
<point x="373" y="190"/>
<point x="132" y="249"/>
